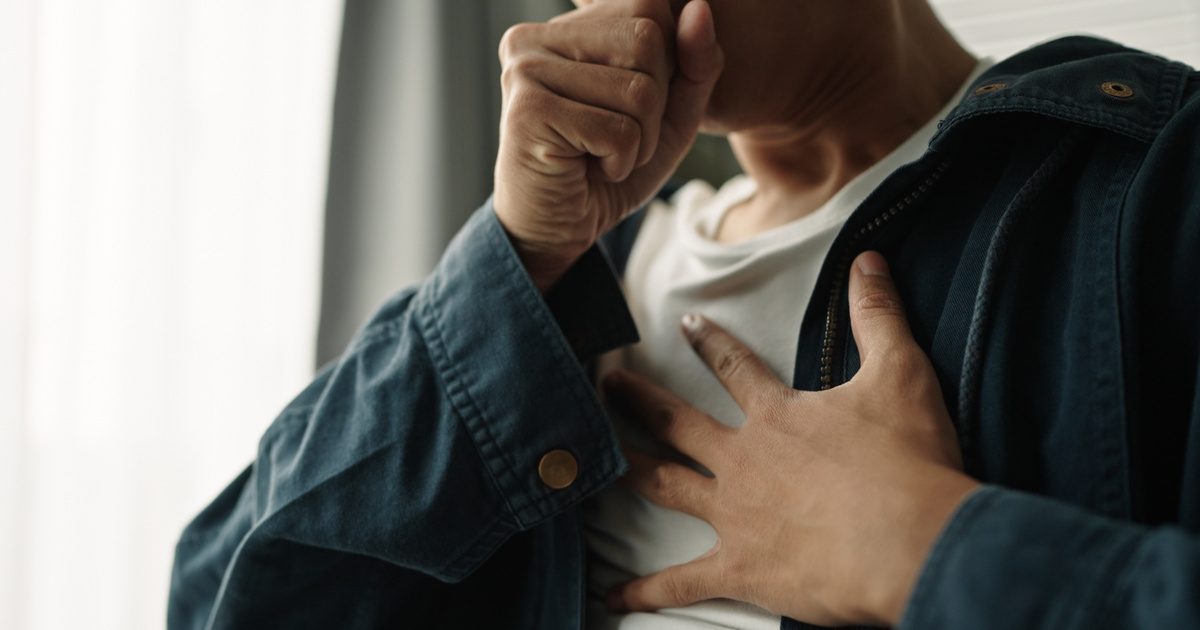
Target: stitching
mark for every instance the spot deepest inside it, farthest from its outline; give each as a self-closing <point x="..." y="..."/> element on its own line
<point x="1109" y="381"/>
<point x="1169" y="94"/>
<point x="460" y="396"/>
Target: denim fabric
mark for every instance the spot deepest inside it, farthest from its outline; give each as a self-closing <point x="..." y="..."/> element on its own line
<point x="1046" y="246"/>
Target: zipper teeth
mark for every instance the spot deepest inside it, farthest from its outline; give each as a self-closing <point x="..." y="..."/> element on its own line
<point x="835" y="288"/>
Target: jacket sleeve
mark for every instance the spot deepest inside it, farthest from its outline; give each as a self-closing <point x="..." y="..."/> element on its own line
<point x="420" y="445"/>
<point x="1009" y="559"/>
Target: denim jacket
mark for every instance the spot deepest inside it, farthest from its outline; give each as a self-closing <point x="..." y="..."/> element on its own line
<point x="1047" y="247"/>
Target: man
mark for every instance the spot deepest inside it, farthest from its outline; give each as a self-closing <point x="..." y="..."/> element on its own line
<point x="993" y="424"/>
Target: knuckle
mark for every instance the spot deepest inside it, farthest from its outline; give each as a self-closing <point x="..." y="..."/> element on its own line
<point x="646" y="40"/>
<point x="641" y="92"/>
<point x="515" y="38"/>
<point x="878" y="301"/>
<point x="524" y="65"/>
<point x="518" y="68"/>
<point x="732" y="361"/>
<point x="626" y="131"/>
<point x="544" y="154"/>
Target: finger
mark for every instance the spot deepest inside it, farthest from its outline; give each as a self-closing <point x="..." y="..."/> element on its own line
<point x="660" y="11"/>
<point x="563" y="129"/>
<point x="673" y="587"/>
<point x="742" y="373"/>
<point x="876" y="312"/>
<point x="671" y="419"/>
<point x="630" y="43"/>
<point x="635" y="94"/>
<point x="699" y="62"/>
<point x="669" y="484"/>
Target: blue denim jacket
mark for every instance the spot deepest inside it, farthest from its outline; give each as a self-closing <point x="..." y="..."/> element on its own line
<point x="1047" y="247"/>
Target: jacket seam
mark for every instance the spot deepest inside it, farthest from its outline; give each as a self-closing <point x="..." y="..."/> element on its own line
<point x="1170" y="92"/>
<point x="1115" y="496"/>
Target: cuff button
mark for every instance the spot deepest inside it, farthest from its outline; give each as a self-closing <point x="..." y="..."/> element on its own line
<point x="558" y="469"/>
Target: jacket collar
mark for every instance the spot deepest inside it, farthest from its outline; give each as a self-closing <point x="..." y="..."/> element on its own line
<point x="1083" y="80"/>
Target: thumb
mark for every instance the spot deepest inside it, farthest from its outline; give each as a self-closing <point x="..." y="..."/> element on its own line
<point x="876" y="312"/>
<point x="698" y="66"/>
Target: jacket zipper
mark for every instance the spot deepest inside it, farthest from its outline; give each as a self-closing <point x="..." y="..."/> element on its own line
<point x="839" y="280"/>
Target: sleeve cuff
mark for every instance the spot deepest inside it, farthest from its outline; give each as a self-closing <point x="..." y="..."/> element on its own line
<point x="510" y="371"/>
<point x="590" y="308"/>
<point x="1009" y="559"/>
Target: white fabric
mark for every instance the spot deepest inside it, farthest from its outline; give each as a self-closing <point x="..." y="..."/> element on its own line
<point x="758" y="289"/>
<point x="162" y="182"/>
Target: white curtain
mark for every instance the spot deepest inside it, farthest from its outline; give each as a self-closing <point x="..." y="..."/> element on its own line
<point x="162" y="182"/>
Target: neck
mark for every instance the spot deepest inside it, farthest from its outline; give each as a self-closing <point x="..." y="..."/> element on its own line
<point x="888" y="89"/>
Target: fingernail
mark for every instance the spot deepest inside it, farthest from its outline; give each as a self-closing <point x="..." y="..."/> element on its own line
<point x="691" y="324"/>
<point x="872" y="264"/>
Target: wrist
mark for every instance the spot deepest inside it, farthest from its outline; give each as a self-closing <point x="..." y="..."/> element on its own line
<point x="930" y="508"/>
<point x="545" y="262"/>
<point x="544" y="271"/>
<point x="545" y="265"/>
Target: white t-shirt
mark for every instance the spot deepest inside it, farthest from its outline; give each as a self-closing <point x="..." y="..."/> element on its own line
<point x="758" y="289"/>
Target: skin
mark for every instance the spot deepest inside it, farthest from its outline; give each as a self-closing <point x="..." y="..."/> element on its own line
<point x="599" y="106"/>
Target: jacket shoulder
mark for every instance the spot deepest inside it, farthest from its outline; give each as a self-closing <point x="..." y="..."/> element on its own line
<point x="1083" y="80"/>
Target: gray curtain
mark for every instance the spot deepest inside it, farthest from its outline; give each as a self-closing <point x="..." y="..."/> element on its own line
<point x="415" y="125"/>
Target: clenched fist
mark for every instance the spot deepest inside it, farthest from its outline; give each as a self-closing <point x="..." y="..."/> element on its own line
<point x="600" y="105"/>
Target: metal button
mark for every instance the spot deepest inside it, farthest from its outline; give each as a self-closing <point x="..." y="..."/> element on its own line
<point x="990" y="87"/>
<point x="1116" y="90"/>
<point x="558" y="469"/>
